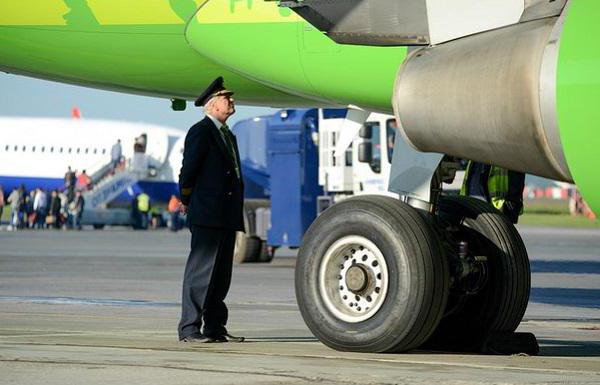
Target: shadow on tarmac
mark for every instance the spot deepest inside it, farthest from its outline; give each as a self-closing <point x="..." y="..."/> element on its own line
<point x="567" y="267"/>
<point x="560" y="348"/>
<point x="282" y="339"/>
<point x="588" y="298"/>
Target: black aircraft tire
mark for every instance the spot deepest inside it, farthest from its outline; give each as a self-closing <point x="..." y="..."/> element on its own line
<point x="410" y="271"/>
<point x="501" y="304"/>
<point x="247" y="248"/>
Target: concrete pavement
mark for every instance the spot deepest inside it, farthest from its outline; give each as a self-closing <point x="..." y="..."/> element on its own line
<point x="102" y="307"/>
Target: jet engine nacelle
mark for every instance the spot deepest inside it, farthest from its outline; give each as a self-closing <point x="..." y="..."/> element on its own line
<point x="489" y="97"/>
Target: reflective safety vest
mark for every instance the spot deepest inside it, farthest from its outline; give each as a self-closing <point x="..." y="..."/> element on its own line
<point x="497" y="185"/>
<point x="143" y="203"/>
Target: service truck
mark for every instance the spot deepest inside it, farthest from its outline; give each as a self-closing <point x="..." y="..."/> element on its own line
<point x="294" y="169"/>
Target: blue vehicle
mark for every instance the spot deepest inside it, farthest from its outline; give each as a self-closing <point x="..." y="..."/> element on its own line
<point x="298" y="162"/>
<point x="280" y="164"/>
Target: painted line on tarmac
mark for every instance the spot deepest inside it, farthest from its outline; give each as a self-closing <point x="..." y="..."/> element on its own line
<point x="40" y="335"/>
<point x="84" y="301"/>
<point x="125" y="302"/>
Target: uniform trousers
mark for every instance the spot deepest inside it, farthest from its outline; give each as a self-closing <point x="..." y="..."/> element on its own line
<point x="206" y="282"/>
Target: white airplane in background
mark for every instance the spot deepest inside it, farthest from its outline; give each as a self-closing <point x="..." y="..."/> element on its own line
<point x="36" y="152"/>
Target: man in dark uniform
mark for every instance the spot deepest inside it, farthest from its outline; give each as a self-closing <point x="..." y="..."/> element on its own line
<point x="212" y="195"/>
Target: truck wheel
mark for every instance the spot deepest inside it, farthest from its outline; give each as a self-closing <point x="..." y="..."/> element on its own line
<point x="371" y="277"/>
<point x="247" y="248"/>
<point x="265" y="256"/>
<point x="500" y="304"/>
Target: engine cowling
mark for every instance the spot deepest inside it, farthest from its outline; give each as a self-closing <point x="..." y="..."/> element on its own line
<point x="489" y="97"/>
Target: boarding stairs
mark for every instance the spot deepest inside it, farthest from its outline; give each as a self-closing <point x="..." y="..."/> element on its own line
<point x="109" y="183"/>
<point x="110" y="187"/>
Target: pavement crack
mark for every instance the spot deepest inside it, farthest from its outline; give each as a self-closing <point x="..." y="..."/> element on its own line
<point x="172" y="367"/>
<point x="340" y="358"/>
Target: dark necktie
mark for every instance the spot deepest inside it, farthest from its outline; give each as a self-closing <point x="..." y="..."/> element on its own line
<point x="230" y="147"/>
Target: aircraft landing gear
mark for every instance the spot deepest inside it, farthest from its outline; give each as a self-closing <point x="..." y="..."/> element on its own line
<point x="377" y="274"/>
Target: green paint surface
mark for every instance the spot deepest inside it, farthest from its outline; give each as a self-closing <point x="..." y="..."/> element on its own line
<point x="578" y="97"/>
<point x="299" y="59"/>
<point x="281" y="63"/>
<point x="150" y="59"/>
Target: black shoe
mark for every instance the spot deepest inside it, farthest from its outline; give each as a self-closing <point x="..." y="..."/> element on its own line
<point x="198" y="339"/>
<point x="229" y="338"/>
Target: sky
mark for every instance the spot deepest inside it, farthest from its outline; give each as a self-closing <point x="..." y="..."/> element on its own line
<point x="23" y="96"/>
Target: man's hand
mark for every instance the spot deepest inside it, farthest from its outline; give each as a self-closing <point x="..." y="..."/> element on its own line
<point x="183" y="209"/>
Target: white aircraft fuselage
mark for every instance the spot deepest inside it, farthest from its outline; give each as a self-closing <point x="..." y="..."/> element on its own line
<point x="36" y="152"/>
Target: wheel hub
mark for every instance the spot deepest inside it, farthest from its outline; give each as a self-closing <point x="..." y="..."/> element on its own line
<point x="353" y="278"/>
<point x="356" y="278"/>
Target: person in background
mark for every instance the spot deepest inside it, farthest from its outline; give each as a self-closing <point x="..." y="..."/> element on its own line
<point x="53" y="218"/>
<point x="40" y="208"/>
<point x="143" y="206"/>
<point x="64" y="210"/>
<point x="115" y="154"/>
<point x="48" y="203"/>
<point x="76" y="210"/>
<point x="15" y="201"/>
<point x="135" y="214"/>
<point x="30" y="215"/>
<point x="70" y="181"/>
<point x="173" y="207"/>
<point x="24" y="208"/>
<point x="155" y="218"/>
<point x="501" y="187"/>
<point x="1" y="201"/>
<point x="84" y="182"/>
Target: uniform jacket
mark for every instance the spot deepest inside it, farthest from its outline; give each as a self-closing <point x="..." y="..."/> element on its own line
<point x="208" y="183"/>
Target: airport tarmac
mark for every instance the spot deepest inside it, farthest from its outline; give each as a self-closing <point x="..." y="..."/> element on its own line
<point x="101" y="307"/>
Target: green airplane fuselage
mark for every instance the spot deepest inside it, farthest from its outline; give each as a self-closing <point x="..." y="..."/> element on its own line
<point x="267" y="54"/>
<point x="142" y="47"/>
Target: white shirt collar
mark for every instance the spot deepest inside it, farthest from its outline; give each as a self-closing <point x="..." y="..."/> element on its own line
<point x="215" y="121"/>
